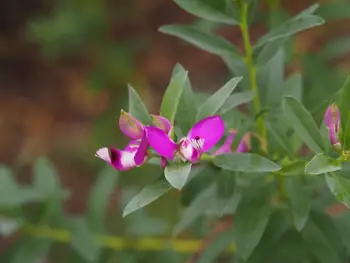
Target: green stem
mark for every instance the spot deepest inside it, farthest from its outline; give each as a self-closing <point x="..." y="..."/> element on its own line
<point x="117" y="242"/>
<point x="207" y="158"/>
<point x="249" y="60"/>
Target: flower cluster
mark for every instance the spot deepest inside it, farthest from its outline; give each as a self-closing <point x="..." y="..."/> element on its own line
<point x="201" y="138"/>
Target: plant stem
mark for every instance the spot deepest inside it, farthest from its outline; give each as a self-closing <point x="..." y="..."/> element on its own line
<point x="207" y="158"/>
<point x="118" y="243"/>
<point x="249" y="60"/>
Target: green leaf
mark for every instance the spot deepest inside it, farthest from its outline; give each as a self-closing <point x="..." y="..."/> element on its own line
<point x="303" y="124"/>
<point x="147" y="195"/>
<point x="218" y="245"/>
<point x="7" y="184"/>
<point x="272" y="74"/>
<point x="328" y="225"/>
<point x="11" y="194"/>
<point x="200" y="179"/>
<point x="276" y="227"/>
<point x="268" y="51"/>
<point x="99" y="197"/>
<point x="177" y="175"/>
<point x="293" y="169"/>
<point x="344" y="107"/>
<point x="137" y="108"/>
<point x="46" y="179"/>
<point x="237" y="99"/>
<point x="203" y="40"/>
<point x="318" y="244"/>
<point x="187" y="109"/>
<point x="245" y="162"/>
<point x="225" y="184"/>
<point x="172" y="96"/>
<point x="321" y="164"/>
<point x="289" y="28"/>
<point x="293" y="86"/>
<point x="213" y="104"/>
<point x="300" y="201"/>
<point x="251" y="219"/>
<point x="278" y="136"/>
<point x="31" y="250"/>
<point x="195" y="209"/>
<point x="204" y="10"/>
<point x="82" y="239"/>
<point x="340" y="187"/>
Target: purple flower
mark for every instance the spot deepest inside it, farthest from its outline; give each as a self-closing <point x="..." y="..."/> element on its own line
<point x="201" y="138"/>
<point x="243" y="145"/>
<point x="332" y="121"/>
<point x="135" y="153"/>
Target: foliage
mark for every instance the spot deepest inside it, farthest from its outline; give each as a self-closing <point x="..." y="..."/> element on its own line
<point x="268" y="193"/>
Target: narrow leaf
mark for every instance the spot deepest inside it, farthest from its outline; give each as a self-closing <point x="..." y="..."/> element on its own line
<point x="280" y="138"/>
<point x="291" y="27"/>
<point x="213" y="104"/>
<point x="195" y="209"/>
<point x="82" y="239"/>
<point x="321" y="164"/>
<point x="177" y="175"/>
<point x="206" y="11"/>
<point x="200" y="179"/>
<point x="344" y="107"/>
<point x="187" y="109"/>
<point x="303" y="124"/>
<point x="251" y="219"/>
<point x="293" y="86"/>
<point x="99" y="197"/>
<point x="218" y="245"/>
<point x="148" y="194"/>
<point x="11" y="194"/>
<point x="46" y="179"/>
<point x="31" y="250"/>
<point x="137" y="108"/>
<point x="236" y="100"/>
<point x="317" y="243"/>
<point x="268" y="51"/>
<point x="246" y="162"/>
<point x="340" y="187"/>
<point x="172" y="96"/>
<point x="203" y="40"/>
<point x="293" y="169"/>
<point x="300" y="201"/>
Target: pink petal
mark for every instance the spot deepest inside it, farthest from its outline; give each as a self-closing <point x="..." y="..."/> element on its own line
<point x="211" y="129"/>
<point x="133" y="144"/>
<point x="103" y="153"/>
<point x="123" y="160"/>
<point x="332" y="121"/>
<point x="227" y="145"/>
<point x="161" y="142"/>
<point x="161" y="123"/>
<point x="130" y="126"/>
<point x="163" y="163"/>
<point x="191" y="149"/>
<point x="141" y="154"/>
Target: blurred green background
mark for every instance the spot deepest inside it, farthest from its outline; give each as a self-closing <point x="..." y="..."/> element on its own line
<point x="64" y="70"/>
